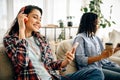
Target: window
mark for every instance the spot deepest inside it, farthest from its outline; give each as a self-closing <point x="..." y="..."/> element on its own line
<point x="63" y="8"/>
<point x="54" y="10"/>
<point x="3" y="18"/>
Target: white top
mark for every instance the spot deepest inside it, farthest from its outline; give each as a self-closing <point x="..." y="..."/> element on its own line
<point x="35" y="56"/>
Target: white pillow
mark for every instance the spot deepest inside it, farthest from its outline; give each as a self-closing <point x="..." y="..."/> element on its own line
<point x="62" y="48"/>
<point x="114" y="37"/>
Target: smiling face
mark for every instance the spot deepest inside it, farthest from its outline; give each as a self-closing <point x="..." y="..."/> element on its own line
<point x="33" y="23"/>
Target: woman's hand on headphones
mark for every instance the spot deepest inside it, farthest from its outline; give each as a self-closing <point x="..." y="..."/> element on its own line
<point x="22" y="19"/>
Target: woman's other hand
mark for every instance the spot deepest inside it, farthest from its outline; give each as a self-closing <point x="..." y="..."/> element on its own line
<point x="107" y="53"/>
<point x="117" y="48"/>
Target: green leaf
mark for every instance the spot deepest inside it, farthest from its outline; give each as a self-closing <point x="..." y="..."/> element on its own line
<point x="113" y="22"/>
<point x="94" y="7"/>
<point x="103" y="25"/>
<point x="85" y="9"/>
<point x="109" y="24"/>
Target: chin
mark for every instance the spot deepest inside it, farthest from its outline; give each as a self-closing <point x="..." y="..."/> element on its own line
<point x="36" y="30"/>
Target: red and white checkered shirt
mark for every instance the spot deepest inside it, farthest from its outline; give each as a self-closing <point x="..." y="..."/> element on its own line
<point x="17" y="52"/>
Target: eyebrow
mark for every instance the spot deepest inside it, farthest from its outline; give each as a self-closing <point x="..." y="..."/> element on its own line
<point x="36" y="15"/>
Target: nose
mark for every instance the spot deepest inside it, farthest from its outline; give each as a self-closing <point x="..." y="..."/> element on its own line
<point x="38" y="21"/>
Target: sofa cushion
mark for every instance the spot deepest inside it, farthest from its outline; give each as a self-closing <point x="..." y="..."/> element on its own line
<point x="64" y="46"/>
<point x="6" y="69"/>
<point x="114" y="37"/>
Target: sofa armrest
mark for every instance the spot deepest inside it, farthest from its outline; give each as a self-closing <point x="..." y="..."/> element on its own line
<point x="62" y="48"/>
<point x="6" y="68"/>
<point x="115" y="57"/>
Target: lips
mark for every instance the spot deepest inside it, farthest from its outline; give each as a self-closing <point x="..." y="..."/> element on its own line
<point x="37" y="26"/>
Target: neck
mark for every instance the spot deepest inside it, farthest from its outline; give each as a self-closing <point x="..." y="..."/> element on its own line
<point x="28" y="34"/>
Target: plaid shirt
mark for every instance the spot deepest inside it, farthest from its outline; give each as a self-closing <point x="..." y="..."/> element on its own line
<point x="17" y="52"/>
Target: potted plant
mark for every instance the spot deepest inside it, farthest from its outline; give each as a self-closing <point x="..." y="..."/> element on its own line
<point x="62" y="35"/>
<point x="69" y="21"/>
<point x="61" y="24"/>
<point x="94" y="6"/>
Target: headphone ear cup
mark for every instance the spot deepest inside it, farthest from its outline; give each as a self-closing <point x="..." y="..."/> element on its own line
<point x="25" y="20"/>
<point x="22" y="9"/>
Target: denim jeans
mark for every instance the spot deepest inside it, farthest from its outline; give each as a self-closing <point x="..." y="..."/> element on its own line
<point x="85" y="74"/>
<point x="111" y="73"/>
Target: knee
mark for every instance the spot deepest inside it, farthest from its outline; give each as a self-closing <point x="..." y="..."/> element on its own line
<point x="98" y="74"/>
<point x="92" y="74"/>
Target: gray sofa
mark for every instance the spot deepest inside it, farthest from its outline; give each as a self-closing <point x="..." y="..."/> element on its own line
<point x="6" y="68"/>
